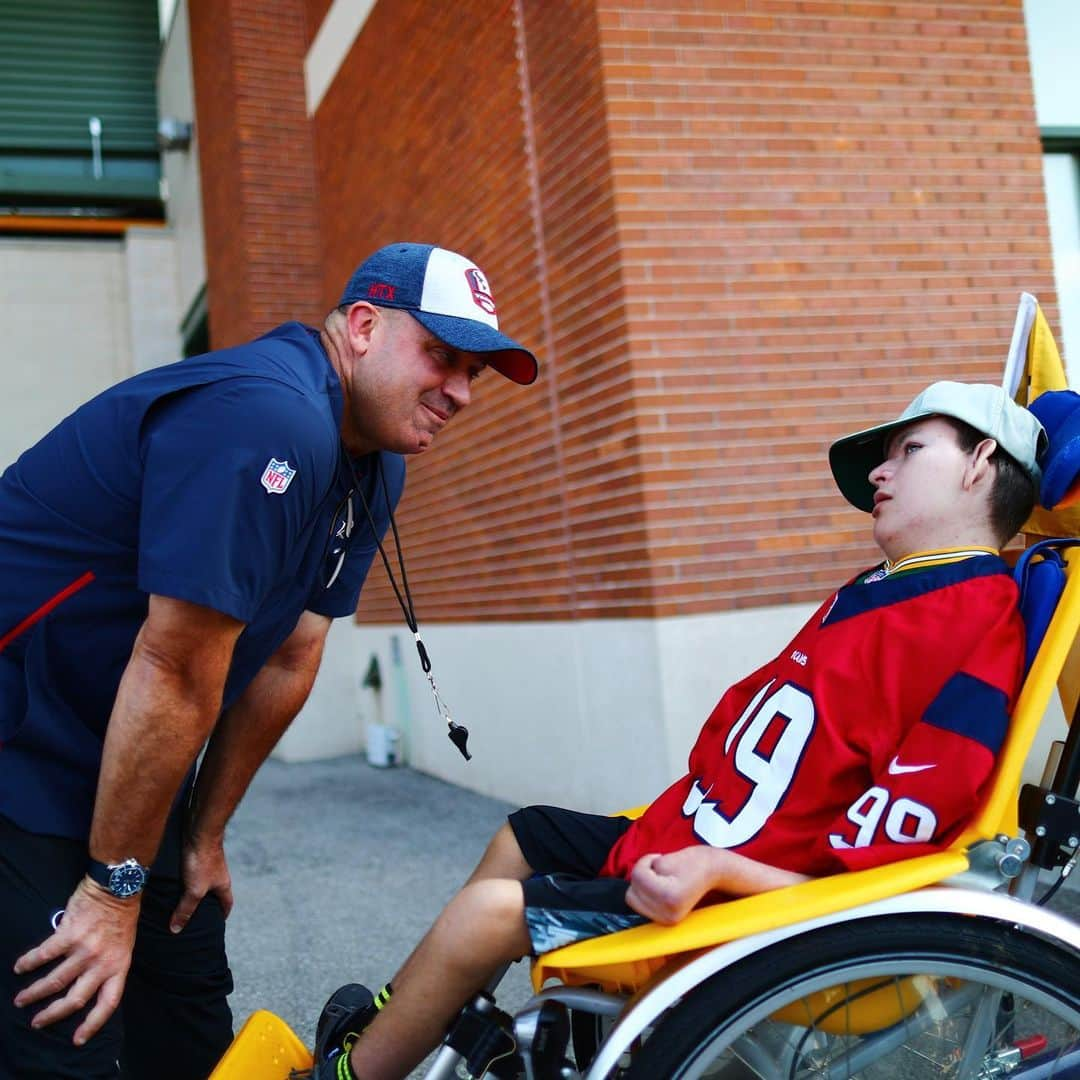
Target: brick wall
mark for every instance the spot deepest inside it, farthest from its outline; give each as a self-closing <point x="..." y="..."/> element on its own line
<point x="822" y="207"/>
<point x="258" y="181"/>
<point x="314" y="13"/>
<point x="733" y="230"/>
<point x="436" y="151"/>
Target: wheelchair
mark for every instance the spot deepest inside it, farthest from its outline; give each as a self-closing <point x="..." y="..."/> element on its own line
<point x="942" y="965"/>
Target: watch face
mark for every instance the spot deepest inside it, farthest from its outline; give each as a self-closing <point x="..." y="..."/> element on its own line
<point x="127" y="879"/>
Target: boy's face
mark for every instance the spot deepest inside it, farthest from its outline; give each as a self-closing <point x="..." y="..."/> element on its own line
<point x="926" y="494"/>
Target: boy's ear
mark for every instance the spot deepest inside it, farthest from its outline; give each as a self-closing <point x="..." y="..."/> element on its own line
<point x="979" y="465"/>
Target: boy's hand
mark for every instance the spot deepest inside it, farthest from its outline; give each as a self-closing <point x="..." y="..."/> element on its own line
<point x="666" y="888"/>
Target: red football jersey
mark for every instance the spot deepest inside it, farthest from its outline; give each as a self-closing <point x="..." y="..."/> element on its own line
<point x="870" y="738"/>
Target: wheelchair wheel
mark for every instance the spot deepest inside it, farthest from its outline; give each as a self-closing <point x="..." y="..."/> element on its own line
<point x="898" y="997"/>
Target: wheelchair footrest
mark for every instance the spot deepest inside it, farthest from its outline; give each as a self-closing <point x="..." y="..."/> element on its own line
<point x="266" y="1048"/>
<point x="483" y="1035"/>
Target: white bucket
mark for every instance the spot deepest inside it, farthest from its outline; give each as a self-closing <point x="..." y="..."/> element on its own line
<point x="382" y="745"/>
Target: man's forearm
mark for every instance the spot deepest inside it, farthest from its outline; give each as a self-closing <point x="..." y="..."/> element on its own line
<point x="159" y="721"/>
<point x="243" y="739"/>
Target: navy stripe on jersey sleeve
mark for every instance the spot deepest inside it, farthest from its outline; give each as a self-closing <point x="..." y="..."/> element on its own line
<point x="970" y="707"/>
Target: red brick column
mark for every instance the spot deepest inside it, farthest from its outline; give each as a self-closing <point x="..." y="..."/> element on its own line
<point x="822" y="208"/>
<point x="260" y="205"/>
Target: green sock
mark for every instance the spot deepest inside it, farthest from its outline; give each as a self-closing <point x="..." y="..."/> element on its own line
<point x="342" y="1068"/>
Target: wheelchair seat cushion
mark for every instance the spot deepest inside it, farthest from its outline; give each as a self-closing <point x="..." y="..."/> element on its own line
<point x="1040" y="576"/>
<point x="1059" y="413"/>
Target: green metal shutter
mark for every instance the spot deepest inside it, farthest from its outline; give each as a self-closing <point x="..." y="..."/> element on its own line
<point x="61" y="63"/>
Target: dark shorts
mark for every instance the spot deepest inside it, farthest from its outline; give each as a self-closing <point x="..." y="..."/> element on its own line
<point x="174" y="1021"/>
<point x="566" y="900"/>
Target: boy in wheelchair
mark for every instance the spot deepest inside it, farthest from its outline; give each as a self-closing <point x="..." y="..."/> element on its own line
<point x="869" y="738"/>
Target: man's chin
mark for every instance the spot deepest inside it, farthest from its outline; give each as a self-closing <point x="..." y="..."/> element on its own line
<point x="420" y="443"/>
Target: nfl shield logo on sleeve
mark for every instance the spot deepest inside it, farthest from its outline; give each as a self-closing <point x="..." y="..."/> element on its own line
<point x="277" y="476"/>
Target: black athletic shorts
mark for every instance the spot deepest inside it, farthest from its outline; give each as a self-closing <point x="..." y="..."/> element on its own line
<point x="174" y="1021"/>
<point x="565" y="901"/>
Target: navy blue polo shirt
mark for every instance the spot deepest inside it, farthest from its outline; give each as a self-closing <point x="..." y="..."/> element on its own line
<point x="220" y="480"/>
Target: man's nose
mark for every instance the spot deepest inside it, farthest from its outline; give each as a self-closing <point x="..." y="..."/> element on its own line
<point x="878" y="473"/>
<point x="458" y="389"/>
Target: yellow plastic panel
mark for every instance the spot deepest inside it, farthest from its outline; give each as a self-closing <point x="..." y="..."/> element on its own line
<point x="622" y="962"/>
<point x="856" y="1008"/>
<point x="265" y="1049"/>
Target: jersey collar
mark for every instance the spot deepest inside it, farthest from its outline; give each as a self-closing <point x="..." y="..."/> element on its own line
<point x="923" y="560"/>
<point x="871" y="592"/>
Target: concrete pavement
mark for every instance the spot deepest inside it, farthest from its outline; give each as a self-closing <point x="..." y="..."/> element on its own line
<point x="338" y="869"/>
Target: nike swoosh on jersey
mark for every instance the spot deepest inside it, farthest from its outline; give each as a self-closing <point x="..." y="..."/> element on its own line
<point x="896" y="769"/>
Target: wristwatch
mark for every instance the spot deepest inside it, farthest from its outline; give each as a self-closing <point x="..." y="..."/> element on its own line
<point x="123" y="879"/>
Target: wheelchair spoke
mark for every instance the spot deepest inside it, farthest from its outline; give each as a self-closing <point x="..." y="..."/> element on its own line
<point x="980" y="1037"/>
<point x="906" y="1001"/>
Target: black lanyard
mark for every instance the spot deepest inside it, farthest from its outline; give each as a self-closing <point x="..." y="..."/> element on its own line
<point x="458" y="734"/>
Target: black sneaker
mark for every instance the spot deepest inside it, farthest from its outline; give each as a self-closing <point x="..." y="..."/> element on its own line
<point x="350" y="1009"/>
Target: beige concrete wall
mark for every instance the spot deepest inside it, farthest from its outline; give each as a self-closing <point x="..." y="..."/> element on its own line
<point x="153" y="309"/>
<point x="78" y="316"/>
<point x="594" y="714"/>
<point x="591" y="713"/>
<point x="66" y="331"/>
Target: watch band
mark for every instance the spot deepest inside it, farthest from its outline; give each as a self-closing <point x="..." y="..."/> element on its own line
<point x="122" y="879"/>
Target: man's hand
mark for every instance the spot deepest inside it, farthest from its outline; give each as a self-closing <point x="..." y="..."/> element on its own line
<point x="93" y="943"/>
<point x="205" y="871"/>
<point x="665" y="888"/>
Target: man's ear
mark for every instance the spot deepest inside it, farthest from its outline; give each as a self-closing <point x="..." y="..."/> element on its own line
<point x="979" y="465"/>
<point x="361" y="320"/>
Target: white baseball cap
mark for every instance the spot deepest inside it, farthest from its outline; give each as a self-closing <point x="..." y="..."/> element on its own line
<point x="988" y="409"/>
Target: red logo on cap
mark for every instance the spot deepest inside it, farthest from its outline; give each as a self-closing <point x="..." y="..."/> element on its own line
<point x="381" y="291"/>
<point x="481" y="291"/>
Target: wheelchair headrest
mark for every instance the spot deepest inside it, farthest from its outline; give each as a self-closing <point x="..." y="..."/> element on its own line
<point x="1040" y="576"/>
<point x="1059" y="413"/>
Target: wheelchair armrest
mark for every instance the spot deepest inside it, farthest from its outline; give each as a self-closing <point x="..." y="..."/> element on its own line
<point x="622" y="962"/>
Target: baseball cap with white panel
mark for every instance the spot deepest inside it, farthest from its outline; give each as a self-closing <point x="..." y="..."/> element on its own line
<point x="446" y="293"/>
